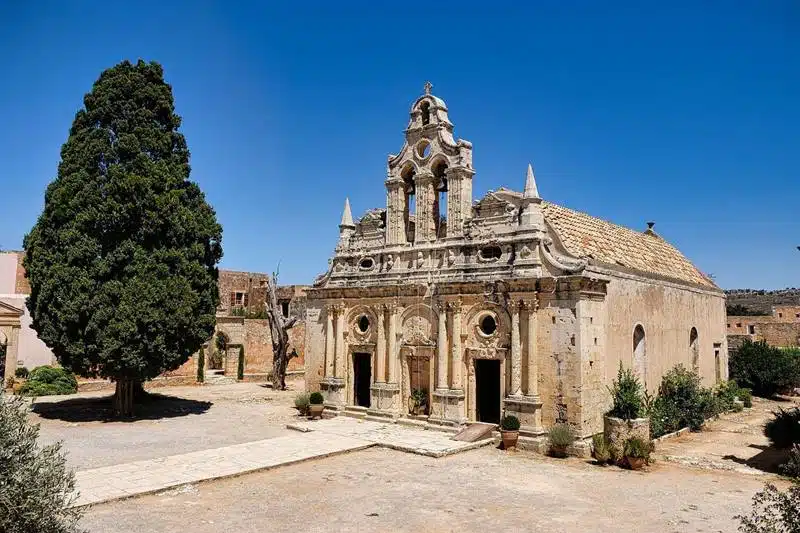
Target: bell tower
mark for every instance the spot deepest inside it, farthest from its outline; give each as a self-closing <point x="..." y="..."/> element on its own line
<point x="429" y="183"/>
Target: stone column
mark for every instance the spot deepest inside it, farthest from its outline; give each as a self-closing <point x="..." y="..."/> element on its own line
<point x="530" y="351"/>
<point x="441" y="352"/>
<point x="380" y="354"/>
<point x="329" y="353"/>
<point x="338" y="368"/>
<point x="392" y="355"/>
<point x="455" y="336"/>
<point x="516" y="355"/>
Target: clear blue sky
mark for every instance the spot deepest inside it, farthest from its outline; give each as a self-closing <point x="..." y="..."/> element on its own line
<point x="685" y="113"/>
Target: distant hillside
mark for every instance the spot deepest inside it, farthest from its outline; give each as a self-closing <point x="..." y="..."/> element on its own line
<point x="761" y="300"/>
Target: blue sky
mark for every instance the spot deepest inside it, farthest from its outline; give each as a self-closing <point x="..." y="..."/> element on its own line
<point x="685" y="113"/>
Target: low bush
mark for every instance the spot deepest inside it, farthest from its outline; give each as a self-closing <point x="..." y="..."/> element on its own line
<point x="509" y="423"/>
<point x="561" y="435"/>
<point x="21" y="372"/>
<point x="783" y="430"/>
<point x="764" y="369"/>
<point x="49" y="380"/>
<point x="773" y="511"/>
<point x="746" y="396"/>
<point x="637" y="448"/>
<point x="600" y="449"/>
<point x="791" y="468"/>
<point x="626" y="393"/>
<point x="301" y="402"/>
<point x="727" y="392"/>
<point x="316" y="398"/>
<point x="37" y="488"/>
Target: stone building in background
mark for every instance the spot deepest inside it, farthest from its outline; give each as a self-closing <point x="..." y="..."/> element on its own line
<point x="240" y="318"/>
<point x="506" y="305"/>
<point x="781" y="328"/>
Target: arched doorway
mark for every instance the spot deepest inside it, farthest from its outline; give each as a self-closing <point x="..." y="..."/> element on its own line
<point x="640" y="354"/>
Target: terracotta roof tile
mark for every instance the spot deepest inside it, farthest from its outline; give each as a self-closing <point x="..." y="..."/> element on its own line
<point x="584" y="235"/>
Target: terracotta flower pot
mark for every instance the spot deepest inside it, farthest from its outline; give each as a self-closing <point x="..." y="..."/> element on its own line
<point x="558" y="451"/>
<point x="636" y="463"/>
<point x="315" y="410"/>
<point x="510" y="438"/>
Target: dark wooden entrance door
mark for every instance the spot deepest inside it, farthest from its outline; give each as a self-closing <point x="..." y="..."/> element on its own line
<point x="487" y="390"/>
<point x="362" y="378"/>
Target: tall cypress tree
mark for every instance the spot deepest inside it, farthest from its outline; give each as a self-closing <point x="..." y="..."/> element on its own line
<point x="122" y="262"/>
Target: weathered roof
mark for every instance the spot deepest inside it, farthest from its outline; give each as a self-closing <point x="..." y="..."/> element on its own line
<point x="606" y="243"/>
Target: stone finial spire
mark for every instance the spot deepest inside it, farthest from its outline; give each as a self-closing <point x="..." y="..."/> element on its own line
<point x="531" y="192"/>
<point x="428" y="87"/>
<point x="347" y="216"/>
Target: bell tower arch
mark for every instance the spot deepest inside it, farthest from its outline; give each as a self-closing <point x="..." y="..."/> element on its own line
<point x="431" y="170"/>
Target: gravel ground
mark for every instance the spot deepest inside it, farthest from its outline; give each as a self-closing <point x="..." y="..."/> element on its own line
<point x="191" y="419"/>
<point x="482" y="490"/>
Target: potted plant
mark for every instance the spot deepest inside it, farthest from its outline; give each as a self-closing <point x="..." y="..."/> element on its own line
<point x="509" y="431"/>
<point x="418" y="401"/>
<point x="627" y="417"/>
<point x="302" y="403"/>
<point x="637" y="452"/>
<point x="561" y="437"/>
<point x="316" y="406"/>
<point x="601" y="450"/>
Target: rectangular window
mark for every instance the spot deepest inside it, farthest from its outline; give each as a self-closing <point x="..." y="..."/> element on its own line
<point x="238" y="299"/>
<point x="738" y="324"/>
<point x="780" y="315"/>
<point x="751" y="329"/>
<point x="285" y="308"/>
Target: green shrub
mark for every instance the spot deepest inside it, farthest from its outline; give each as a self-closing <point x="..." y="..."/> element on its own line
<point x="773" y="511"/>
<point x="509" y="423"/>
<point x="201" y="366"/>
<point x="638" y="448"/>
<point x="626" y="393"/>
<point x="37" y="487"/>
<point x="764" y="369"/>
<point x="600" y="449"/>
<point x="419" y="397"/>
<point x="49" y="381"/>
<point x="561" y="435"/>
<point x="784" y="429"/>
<point x="301" y="402"/>
<point x="240" y="366"/>
<point x="791" y="468"/>
<point x="664" y="417"/>
<point x="726" y="393"/>
<point x="681" y="388"/>
<point x="746" y="396"/>
<point x="21" y="372"/>
<point x="316" y="398"/>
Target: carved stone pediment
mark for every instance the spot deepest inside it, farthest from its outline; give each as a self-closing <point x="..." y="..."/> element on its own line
<point x="418" y="330"/>
<point x="491" y="206"/>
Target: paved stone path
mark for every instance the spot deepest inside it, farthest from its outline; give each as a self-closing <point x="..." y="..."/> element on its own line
<point x="419" y="441"/>
<point x="317" y="439"/>
<point x="153" y="475"/>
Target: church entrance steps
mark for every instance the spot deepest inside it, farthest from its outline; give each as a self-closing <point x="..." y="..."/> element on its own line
<point x="354" y="411"/>
<point x="475" y="432"/>
<point x="429" y="442"/>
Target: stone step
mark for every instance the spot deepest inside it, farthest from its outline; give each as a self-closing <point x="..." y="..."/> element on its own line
<point x="475" y="432"/>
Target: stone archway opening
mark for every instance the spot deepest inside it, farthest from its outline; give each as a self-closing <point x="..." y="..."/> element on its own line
<point x="487" y="390"/>
<point x="640" y="354"/>
<point x="362" y="379"/>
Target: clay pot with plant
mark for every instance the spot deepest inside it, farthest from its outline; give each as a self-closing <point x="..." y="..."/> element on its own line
<point x="509" y="431"/>
<point x="601" y="451"/>
<point x="637" y="452"/>
<point x="418" y="401"/>
<point x="316" y="405"/>
<point x="561" y="437"/>
<point x="302" y="403"/>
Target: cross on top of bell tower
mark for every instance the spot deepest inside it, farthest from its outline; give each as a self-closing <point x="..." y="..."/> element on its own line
<point x="428" y="87"/>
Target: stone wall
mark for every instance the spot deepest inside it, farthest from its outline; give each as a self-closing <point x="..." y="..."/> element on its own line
<point x="781" y="328"/>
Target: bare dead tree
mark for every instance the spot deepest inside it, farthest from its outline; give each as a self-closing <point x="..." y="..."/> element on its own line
<point x="279" y="327"/>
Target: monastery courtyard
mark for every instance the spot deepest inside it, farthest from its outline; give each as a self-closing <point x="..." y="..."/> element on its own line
<point x="699" y="482"/>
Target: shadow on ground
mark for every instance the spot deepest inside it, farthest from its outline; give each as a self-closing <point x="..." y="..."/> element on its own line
<point x="768" y="460"/>
<point x="153" y="406"/>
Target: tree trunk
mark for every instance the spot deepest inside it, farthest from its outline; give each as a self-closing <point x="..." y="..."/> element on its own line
<point x="126" y="392"/>
<point x="278" y="326"/>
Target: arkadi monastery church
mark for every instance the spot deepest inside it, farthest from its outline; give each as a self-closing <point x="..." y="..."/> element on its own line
<point x="505" y="305"/>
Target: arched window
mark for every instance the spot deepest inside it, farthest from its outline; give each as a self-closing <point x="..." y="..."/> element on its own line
<point x="639" y="354"/>
<point x="426" y="113"/>
<point x="410" y="208"/>
<point x="440" y="199"/>
<point x="694" y="350"/>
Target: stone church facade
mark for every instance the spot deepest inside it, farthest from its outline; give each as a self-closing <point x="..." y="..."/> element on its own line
<point x="506" y="305"/>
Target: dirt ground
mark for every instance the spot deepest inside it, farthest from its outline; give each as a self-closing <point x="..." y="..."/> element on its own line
<point x="181" y="420"/>
<point x="734" y="442"/>
<point x="482" y="490"/>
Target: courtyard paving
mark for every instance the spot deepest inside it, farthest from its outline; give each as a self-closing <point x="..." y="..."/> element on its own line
<point x="477" y="491"/>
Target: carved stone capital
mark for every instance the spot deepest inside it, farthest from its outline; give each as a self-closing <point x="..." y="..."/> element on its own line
<point x="337" y="307"/>
<point x="530" y="304"/>
<point x="454" y="306"/>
